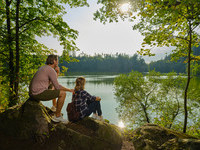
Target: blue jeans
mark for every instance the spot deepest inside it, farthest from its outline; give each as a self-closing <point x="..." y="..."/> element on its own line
<point x="94" y="107"/>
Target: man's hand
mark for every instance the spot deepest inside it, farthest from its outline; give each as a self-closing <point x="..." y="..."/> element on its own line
<point x="57" y="69"/>
<point x="72" y="90"/>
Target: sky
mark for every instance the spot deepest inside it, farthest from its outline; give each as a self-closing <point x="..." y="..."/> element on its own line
<point x="95" y="37"/>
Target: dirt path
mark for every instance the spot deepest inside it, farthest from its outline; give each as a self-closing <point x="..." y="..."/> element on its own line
<point x="127" y="145"/>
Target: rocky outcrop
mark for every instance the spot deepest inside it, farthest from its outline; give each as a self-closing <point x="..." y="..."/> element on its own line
<point x="154" y="137"/>
<point x="181" y="144"/>
<point x="29" y="127"/>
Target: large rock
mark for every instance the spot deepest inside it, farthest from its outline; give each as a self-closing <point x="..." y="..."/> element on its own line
<point x="29" y="127"/>
<point x="154" y="137"/>
<point x="181" y="144"/>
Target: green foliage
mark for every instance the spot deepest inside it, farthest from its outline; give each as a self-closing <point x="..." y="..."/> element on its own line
<point x="156" y="98"/>
<point x="36" y="18"/>
<point x="161" y="22"/>
<point x="3" y="95"/>
<point x="194" y="105"/>
<point x="136" y="96"/>
<point x="170" y="99"/>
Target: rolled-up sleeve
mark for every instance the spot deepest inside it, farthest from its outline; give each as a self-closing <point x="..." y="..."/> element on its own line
<point x="54" y="80"/>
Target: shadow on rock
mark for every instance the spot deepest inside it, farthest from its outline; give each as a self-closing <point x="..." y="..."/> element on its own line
<point x="29" y="127"/>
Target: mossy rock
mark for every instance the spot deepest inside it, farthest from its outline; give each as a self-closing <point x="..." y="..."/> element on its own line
<point x="29" y="127"/>
<point x="181" y="144"/>
<point x="151" y="137"/>
<point x="25" y="121"/>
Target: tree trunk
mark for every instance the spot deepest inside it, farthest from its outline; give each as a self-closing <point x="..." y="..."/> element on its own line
<point x="16" y="87"/>
<point x="145" y="112"/>
<point x="9" y="45"/>
<point x="188" y="79"/>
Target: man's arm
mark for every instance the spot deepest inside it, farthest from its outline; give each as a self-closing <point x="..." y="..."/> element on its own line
<point x="62" y="88"/>
<point x="66" y="89"/>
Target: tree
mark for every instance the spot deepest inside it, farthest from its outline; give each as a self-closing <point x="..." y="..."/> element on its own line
<point x="21" y="22"/>
<point x="162" y="23"/>
<point x="170" y="99"/>
<point x="156" y="99"/>
<point x="136" y="96"/>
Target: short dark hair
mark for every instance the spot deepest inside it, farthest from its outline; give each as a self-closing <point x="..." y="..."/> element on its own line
<point x="51" y="58"/>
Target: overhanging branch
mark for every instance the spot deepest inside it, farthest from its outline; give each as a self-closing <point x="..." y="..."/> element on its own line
<point x="29" y="21"/>
<point x="2" y="53"/>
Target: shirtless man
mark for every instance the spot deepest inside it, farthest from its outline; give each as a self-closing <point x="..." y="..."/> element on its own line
<point x="39" y="86"/>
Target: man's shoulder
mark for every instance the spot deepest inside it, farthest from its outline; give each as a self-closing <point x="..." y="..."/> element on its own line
<point x="47" y="68"/>
<point x="43" y="67"/>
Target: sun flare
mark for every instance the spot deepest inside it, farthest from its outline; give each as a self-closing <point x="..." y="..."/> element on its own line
<point x="125" y="7"/>
<point x="121" y="124"/>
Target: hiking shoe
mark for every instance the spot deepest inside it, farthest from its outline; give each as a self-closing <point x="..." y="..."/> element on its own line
<point x="59" y="119"/>
<point x="94" y="116"/>
<point x="100" y="118"/>
<point x="53" y="108"/>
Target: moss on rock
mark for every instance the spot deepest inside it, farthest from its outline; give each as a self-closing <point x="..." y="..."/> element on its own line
<point x="181" y="144"/>
<point x="29" y="127"/>
<point x="151" y="137"/>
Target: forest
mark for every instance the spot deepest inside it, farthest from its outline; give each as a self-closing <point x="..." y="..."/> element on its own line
<point x="106" y="63"/>
<point x="123" y="63"/>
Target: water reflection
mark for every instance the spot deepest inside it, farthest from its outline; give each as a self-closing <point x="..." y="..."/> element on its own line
<point x="94" y="79"/>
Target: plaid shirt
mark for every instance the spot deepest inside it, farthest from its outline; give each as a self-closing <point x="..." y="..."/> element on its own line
<point x="81" y="99"/>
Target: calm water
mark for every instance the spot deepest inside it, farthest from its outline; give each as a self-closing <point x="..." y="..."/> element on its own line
<point x="102" y="86"/>
<point x="97" y="85"/>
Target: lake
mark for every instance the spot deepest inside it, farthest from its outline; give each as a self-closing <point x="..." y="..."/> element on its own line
<point x="102" y="86"/>
<point x="97" y="85"/>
